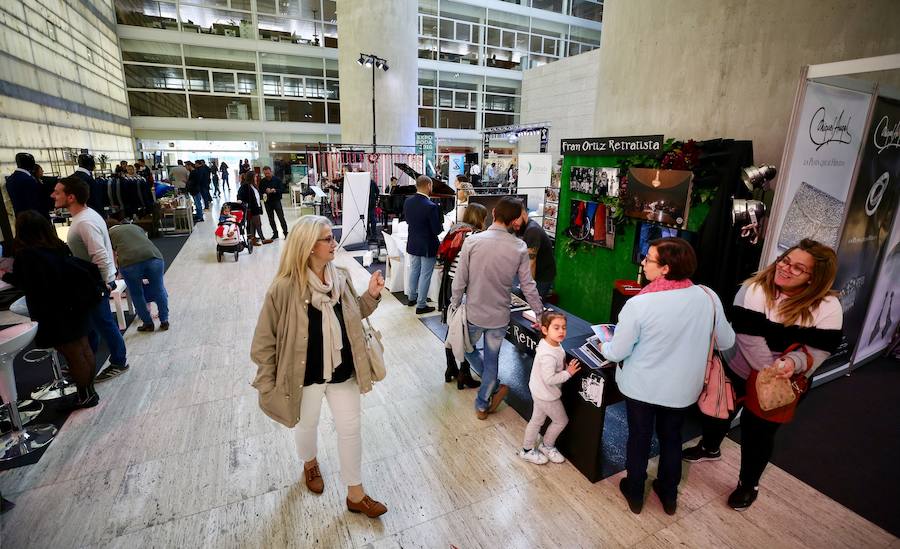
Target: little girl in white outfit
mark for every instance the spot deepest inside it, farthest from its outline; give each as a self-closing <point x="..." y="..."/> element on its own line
<point x="548" y="372"/>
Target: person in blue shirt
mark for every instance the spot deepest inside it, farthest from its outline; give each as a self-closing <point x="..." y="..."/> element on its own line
<point x="662" y="341"/>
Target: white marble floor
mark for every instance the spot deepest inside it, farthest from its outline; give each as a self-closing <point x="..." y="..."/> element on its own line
<point x="177" y="454"/>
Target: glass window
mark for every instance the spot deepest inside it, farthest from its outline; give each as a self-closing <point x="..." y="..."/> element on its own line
<point x="458" y="52"/>
<point x="550" y="46"/>
<point x="585" y="36"/>
<point x="291" y="64"/>
<point x="151" y="52"/>
<point x="428" y="48"/>
<point x="501" y="103"/>
<point x="464" y="32"/>
<point x="282" y="110"/>
<point x="427" y="77"/>
<point x="536" y="44"/>
<point x="509" y="39"/>
<point x="447" y="28"/>
<point x="587" y="9"/>
<point x="506" y="20"/>
<point x="157" y="104"/>
<point x="445" y="98"/>
<point x="427" y="97"/>
<point x="293" y="87"/>
<point x="334" y="89"/>
<point x="271" y="85"/>
<point x="502" y="85"/>
<point x="334" y="113"/>
<point x="315" y="87"/>
<point x="426" y="118"/>
<point x="329" y="12"/>
<point x="240" y="4"/>
<point x="163" y="78"/>
<point x="331" y="68"/>
<point x="459" y="81"/>
<point x="198" y="80"/>
<point x="215" y="21"/>
<point x="265" y="6"/>
<point x="461" y="11"/>
<point x="246" y="83"/>
<point x="503" y="59"/>
<point x="429" y="26"/>
<point x="223" y="82"/>
<point x="493" y="36"/>
<point x="549" y="5"/>
<point x="141" y="13"/>
<point x="218" y="58"/>
<point x="460" y="120"/>
<point x="280" y="29"/>
<point x="428" y="6"/>
<point x="461" y="100"/>
<point x="231" y="108"/>
<point x="492" y="120"/>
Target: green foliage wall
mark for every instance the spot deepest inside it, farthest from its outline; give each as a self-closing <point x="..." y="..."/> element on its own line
<point x="585" y="281"/>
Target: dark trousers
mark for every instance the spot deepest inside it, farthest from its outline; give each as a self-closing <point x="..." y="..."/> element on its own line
<point x="274" y="207"/>
<point x="254" y="226"/>
<point x="207" y="198"/>
<point x="373" y="225"/>
<point x="641" y="420"/>
<point x="757" y="434"/>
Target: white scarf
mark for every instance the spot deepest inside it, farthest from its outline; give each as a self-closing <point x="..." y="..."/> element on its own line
<point x="325" y="295"/>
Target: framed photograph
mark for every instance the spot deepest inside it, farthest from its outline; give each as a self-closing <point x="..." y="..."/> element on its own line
<point x="550" y="209"/>
<point x="661" y="196"/>
<point x="648" y="232"/>
<point x="592" y="223"/>
<point x="551" y="195"/>
<point x="581" y="179"/>
<point x="550" y="226"/>
<point x="606" y="182"/>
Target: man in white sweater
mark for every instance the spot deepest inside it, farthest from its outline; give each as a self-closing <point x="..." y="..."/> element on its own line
<point x="89" y="240"/>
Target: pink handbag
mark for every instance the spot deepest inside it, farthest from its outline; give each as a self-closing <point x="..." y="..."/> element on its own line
<point x="717" y="397"/>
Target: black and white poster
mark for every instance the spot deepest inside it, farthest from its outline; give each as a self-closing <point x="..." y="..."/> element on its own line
<point x="870" y="216"/>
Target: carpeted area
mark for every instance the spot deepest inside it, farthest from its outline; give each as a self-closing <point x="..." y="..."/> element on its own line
<point x="845" y="442"/>
<point x="31" y="376"/>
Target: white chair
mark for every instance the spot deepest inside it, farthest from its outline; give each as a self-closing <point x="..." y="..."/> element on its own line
<point x="434" y="289"/>
<point x="20" y="440"/>
<point x="119" y="295"/>
<point x="395" y="276"/>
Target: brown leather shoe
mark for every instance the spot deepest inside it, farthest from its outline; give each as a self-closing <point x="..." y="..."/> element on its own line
<point x="267" y="241"/>
<point x="481" y="415"/>
<point x="314" y="479"/>
<point x="367" y="506"/>
<point x="497" y="398"/>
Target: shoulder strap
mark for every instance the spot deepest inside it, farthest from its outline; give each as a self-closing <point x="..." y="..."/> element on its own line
<point x="353" y="292"/>
<point x="712" y="336"/>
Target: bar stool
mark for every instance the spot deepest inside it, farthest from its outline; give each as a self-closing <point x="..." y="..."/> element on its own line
<point x="58" y="388"/>
<point x="20" y="440"/>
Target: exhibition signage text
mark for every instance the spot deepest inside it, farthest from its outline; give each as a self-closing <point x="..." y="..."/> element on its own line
<point x="613" y="146"/>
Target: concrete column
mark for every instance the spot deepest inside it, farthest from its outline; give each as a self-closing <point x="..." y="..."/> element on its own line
<point x="388" y="29"/>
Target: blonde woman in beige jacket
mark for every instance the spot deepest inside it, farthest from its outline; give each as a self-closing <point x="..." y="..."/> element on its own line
<point x="309" y="344"/>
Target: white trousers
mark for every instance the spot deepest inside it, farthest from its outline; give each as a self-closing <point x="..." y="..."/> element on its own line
<point x="344" y="403"/>
<point x="542" y="410"/>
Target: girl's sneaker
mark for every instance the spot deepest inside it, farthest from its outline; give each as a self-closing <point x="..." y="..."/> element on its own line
<point x="533" y="456"/>
<point x="552" y="453"/>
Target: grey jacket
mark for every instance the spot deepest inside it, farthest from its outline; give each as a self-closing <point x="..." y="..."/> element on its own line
<point x="458" y="333"/>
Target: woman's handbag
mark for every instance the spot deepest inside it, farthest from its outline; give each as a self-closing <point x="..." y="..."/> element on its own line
<point x="773" y="398"/>
<point x="374" y="351"/>
<point x="717" y="397"/>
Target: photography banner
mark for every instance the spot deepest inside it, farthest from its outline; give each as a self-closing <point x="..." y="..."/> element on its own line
<point x="813" y="189"/>
<point x="534" y="176"/>
<point x="426" y="145"/>
<point x="613" y="146"/>
<point x="867" y="228"/>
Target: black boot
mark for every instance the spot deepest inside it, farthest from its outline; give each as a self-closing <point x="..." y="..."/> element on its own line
<point x="85" y="398"/>
<point x="452" y="371"/>
<point x="464" y="380"/>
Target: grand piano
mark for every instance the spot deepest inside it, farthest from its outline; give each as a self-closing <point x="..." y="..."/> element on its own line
<point x="442" y="194"/>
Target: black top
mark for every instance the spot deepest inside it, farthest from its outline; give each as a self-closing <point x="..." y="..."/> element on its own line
<point x="314" y="364"/>
<point x="246" y="195"/>
<point x="274" y="183"/>
<point x="535" y="237"/>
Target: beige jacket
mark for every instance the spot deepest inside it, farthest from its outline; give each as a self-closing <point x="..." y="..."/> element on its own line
<point x="280" y="342"/>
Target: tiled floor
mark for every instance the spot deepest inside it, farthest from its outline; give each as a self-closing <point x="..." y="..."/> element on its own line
<point x="178" y="454"/>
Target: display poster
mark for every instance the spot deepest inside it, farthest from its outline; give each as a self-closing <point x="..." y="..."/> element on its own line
<point x="457" y="165"/>
<point x="426" y="145"/>
<point x="355" y="208"/>
<point x="813" y="188"/>
<point x="534" y="176"/>
<point x="870" y="216"/>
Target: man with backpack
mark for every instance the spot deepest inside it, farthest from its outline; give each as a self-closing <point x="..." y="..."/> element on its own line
<point x="88" y="239"/>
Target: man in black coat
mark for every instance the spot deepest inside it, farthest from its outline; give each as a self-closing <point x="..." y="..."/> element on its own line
<point x="193" y="188"/>
<point x="85" y="172"/>
<point x="424" y="219"/>
<point x="273" y="188"/>
<point x="26" y="192"/>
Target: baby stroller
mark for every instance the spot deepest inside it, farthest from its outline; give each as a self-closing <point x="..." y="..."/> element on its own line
<point x="231" y="237"/>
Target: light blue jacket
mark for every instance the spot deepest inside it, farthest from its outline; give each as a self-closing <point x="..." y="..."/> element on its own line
<point x="662" y="338"/>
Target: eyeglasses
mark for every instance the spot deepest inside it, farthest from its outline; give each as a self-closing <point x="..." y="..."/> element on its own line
<point x="329" y="239"/>
<point x="648" y="260"/>
<point x="796" y="269"/>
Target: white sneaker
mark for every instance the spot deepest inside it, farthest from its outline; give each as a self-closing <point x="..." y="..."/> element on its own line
<point x="533" y="456"/>
<point x="552" y="453"/>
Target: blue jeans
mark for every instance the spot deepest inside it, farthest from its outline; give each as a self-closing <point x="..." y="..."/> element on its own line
<point x="420" y="269"/>
<point x="486" y="369"/>
<point x="198" y="205"/>
<point x="151" y="269"/>
<point x="103" y="324"/>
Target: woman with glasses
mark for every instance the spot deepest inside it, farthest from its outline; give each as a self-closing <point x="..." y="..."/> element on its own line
<point x="788" y="303"/>
<point x="310" y="344"/>
<point x="662" y="340"/>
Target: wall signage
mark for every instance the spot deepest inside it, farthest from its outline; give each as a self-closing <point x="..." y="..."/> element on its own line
<point x="613" y="146"/>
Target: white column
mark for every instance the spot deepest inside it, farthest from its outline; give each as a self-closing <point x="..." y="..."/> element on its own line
<point x="388" y="29"/>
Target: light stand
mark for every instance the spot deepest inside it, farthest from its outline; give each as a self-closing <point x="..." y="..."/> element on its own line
<point x="369" y="60"/>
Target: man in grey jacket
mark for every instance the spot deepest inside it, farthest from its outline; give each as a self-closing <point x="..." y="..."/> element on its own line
<point x="488" y="263"/>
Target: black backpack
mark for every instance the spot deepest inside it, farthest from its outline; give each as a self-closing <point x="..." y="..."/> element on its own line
<point x="86" y="284"/>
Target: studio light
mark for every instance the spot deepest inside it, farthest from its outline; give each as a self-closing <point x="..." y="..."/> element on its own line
<point x="384" y="66"/>
<point x="368" y="60"/>
<point x="369" y="63"/>
<point x="757" y="177"/>
<point x="748" y="216"/>
<point x="361" y="60"/>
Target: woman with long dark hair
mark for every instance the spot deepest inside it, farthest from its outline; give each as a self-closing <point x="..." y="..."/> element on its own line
<point x="61" y="310"/>
<point x="786" y="316"/>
